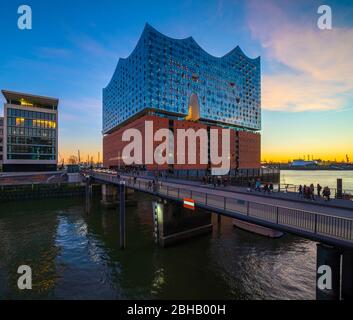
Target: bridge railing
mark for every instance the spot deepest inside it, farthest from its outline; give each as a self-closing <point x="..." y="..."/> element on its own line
<point x="293" y="188"/>
<point x="312" y="222"/>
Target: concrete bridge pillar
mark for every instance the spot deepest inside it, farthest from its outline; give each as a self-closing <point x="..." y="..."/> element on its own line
<point x="334" y="273"/>
<point x="328" y="273"/>
<point x="109" y="195"/>
<point x="347" y="275"/>
<point x="173" y="223"/>
<point x="111" y="199"/>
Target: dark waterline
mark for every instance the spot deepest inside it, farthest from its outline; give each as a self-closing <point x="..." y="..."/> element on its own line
<point x="74" y="256"/>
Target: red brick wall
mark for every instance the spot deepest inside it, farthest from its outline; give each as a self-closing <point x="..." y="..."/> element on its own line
<point x="188" y="125"/>
<point x="113" y="145"/>
<point x="249" y="145"/>
<point x="232" y="148"/>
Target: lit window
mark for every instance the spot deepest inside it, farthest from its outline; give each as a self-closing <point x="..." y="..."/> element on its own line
<point x="20" y="121"/>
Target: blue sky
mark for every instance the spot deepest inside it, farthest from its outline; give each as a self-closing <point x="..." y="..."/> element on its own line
<point x="74" y="47"/>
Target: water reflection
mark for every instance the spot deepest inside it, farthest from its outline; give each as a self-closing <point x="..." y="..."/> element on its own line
<point x="75" y="256"/>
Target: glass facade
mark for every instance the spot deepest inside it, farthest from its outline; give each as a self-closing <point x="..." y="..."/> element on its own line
<point x="163" y="73"/>
<point x="31" y="135"/>
<point x="1" y="137"/>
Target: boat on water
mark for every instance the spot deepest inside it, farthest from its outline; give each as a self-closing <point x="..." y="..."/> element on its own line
<point x="254" y="228"/>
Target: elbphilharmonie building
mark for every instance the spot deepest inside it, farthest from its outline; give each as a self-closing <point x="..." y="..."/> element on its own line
<point x="164" y="77"/>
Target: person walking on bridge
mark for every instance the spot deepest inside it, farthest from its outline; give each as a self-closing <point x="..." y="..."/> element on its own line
<point x="271" y="188"/>
<point x="300" y="191"/>
<point x="249" y="186"/>
<point x="266" y="188"/>
<point x="258" y="185"/>
<point x="318" y="188"/>
<point x="312" y="191"/>
<point x="326" y="193"/>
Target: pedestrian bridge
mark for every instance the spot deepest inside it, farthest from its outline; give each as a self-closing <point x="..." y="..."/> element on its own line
<point x="308" y="221"/>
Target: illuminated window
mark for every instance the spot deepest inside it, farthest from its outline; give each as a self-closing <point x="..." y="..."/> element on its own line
<point x="44" y="124"/>
<point x="20" y="121"/>
<point x="26" y="103"/>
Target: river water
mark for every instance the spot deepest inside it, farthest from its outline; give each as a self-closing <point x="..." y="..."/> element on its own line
<point x="324" y="177"/>
<point x="75" y="256"/>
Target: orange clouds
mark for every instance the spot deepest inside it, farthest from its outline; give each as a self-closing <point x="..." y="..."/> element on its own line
<point x="299" y="93"/>
<point x="317" y="65"/>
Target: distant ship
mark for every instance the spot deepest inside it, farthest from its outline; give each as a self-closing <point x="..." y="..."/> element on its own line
<point x="315" y="165"/>
<point x="302" y="164"/>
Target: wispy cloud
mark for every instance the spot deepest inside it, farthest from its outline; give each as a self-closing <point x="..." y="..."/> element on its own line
<point x="82" y="109"/>
<point x="92" y="47"/>
<point x="300" y="93"/>
<point x="321" y="60"/>
<point x="47" y="52"/>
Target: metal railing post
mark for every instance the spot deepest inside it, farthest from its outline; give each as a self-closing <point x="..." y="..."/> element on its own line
<point x="315" y="226"/>
<point x="277" y="210"/>
<point x="248" y="208"/>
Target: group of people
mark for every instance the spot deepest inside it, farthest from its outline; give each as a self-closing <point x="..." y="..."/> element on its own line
<point x="153" y="185"/>
<point x="308" y="192"/>
<point x="257" y="186"/>
<point x="215" y="181"/>
<point x="304" y="191"/>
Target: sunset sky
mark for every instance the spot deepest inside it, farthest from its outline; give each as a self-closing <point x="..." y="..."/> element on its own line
<point x="307" y="73"/>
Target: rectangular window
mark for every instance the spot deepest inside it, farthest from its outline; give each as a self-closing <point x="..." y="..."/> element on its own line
<point x="20" y="121"/>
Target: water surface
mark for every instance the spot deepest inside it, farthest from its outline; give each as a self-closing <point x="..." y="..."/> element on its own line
<point x="324" y="177"/>
<point x="75" y="256"/>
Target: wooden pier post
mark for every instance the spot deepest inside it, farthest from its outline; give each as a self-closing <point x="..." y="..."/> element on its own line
<point x="87" y="197"/>
<point x="122" y="214"/>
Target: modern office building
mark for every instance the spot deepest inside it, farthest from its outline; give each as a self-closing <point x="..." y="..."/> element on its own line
<point x="1" y="139"/>
<point x="30" y="140"/>
<point x="176" y="84"/>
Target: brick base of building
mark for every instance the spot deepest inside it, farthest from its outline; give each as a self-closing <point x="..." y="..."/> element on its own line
<point x="245" y="149"/>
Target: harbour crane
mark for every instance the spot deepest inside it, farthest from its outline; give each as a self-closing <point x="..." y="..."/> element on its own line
<point x="62" y="160"/>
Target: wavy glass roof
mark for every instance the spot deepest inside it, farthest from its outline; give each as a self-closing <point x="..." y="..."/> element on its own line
<point x="162" y="73"/>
